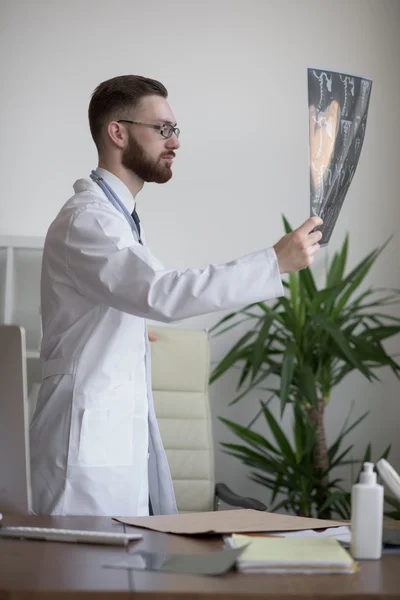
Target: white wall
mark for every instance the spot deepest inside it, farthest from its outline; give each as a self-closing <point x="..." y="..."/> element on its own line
<point x="236" y="74"/>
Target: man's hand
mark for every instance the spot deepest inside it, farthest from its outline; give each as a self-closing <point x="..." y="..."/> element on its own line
<point x="296" y="250"/>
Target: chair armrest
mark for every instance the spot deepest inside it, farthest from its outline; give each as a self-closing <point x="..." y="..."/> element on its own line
<point x="224" y="493"/>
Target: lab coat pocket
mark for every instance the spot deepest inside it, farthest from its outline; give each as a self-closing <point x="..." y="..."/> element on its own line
<point x="106" y="437"/>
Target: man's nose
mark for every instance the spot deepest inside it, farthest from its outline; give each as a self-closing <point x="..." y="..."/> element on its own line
<point x="172" y="143"/>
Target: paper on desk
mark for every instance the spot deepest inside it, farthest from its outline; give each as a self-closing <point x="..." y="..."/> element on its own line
<point x="292" y="555"/>
<point x="226" y="521"/>
<point x="341" y="534"/>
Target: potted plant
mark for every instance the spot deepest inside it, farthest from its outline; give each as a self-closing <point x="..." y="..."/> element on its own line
<point x="311" y="339"/>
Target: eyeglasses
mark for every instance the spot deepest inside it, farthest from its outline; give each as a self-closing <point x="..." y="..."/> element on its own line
<point x="166" y="130"/>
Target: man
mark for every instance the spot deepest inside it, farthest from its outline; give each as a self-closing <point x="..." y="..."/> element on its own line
<point x="95" y="443"/>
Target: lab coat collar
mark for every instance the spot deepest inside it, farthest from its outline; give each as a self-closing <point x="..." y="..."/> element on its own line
<point x="118" y="187"/>
<point x="114" y="182"/>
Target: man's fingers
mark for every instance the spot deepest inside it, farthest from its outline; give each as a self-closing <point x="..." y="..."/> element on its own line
<point x="314" y="237"/>
<point x="309" y="225"/>
<point x="313" y="249"/>
<point x="296" y="250"/>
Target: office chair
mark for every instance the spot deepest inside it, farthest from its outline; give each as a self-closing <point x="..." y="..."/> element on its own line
<point x="15" y="482"/>
<point x="180" y="375"/>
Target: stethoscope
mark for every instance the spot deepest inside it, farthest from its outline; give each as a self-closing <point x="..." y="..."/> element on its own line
<point x="115" y="201"/>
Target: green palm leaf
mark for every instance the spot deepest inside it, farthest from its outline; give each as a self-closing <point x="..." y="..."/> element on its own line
<point x="279" y="436"/>
<point x="287" y="374"/>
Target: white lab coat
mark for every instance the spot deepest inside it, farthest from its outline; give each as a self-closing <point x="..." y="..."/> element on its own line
<point x="94" y="427"/>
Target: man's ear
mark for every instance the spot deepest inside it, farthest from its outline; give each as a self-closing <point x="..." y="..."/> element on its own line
<point x="117" y="134"/>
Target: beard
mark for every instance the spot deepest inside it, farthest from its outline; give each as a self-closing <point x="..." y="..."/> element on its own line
<point x="136" y="160"/>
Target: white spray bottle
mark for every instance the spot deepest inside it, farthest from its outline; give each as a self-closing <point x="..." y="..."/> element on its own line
<point x="367" y="515"/>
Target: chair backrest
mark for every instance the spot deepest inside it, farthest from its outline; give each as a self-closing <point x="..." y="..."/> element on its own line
<point x="15" y="483"/>
<point x="180" y="375"/>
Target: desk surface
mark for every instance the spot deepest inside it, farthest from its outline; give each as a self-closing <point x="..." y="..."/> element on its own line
<point x="34" y="569"/>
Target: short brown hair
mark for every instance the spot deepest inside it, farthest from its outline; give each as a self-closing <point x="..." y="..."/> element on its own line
<point x="112" y="97"/>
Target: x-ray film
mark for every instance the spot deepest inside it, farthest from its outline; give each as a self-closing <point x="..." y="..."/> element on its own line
<point x="338" y="110"/>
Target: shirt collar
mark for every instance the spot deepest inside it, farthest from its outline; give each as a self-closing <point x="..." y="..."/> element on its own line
<point x="118" y="187"/>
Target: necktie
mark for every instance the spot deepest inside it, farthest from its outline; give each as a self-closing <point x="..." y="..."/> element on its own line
<point x="135" y="217"/>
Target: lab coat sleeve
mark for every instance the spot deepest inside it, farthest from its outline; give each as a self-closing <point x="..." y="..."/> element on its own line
<point x="108" y="266"/>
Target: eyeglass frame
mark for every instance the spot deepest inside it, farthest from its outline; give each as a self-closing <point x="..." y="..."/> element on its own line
<point x="159" y="128"/>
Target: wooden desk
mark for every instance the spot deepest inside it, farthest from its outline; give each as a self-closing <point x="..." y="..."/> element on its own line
<point x="61" y="571"/>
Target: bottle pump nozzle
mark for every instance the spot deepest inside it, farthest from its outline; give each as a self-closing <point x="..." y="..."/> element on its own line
<point x="368" y="474"/>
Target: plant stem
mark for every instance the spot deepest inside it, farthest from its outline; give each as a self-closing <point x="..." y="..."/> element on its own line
<point x="320" y="455"/>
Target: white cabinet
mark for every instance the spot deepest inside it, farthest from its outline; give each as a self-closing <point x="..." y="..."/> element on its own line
<point x="20" y="265"/>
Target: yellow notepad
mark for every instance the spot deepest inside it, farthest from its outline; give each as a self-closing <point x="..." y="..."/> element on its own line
<point x="293" y="555"/>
